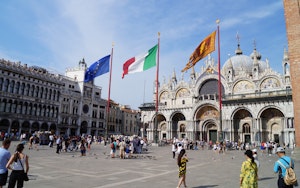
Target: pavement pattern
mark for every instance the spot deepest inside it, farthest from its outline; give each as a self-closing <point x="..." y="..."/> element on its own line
<point x="152" y="169"/>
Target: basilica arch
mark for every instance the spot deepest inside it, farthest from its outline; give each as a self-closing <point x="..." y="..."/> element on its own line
<point x="178" y="125"/>
<point x="161" y="131"/>
<point x="272" y="124"/>
<point x="242" y="125"/>
<point x="207" y="117"/>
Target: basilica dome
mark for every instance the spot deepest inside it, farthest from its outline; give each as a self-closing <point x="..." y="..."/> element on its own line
<point x="242" y="64"/>
<point x="239" y="64"/>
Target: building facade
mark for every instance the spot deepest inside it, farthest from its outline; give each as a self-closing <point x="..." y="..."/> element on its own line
<point x="131" y="119"/>
<point x="33" y="99"/>
<point x="256" y="103"/>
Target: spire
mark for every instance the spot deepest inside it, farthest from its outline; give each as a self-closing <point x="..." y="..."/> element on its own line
<point x="193" y="71"/>
<point x="255" y="61"/>
<point x="255" y="54"/>
<point x="174" y="75"/>
<point x="82" y="63"/>
<point x="238" y="51"/>
<point x="193" y="74"/>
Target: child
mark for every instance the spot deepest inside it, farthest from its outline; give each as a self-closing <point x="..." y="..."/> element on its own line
<point x="127" y="151"/>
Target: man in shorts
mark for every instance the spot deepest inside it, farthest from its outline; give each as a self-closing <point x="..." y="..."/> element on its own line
<point x="4" y="158"/>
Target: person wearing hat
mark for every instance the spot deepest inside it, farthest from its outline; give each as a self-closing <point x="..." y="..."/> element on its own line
<point x="248" y="176"/>
<point x="278" y="168"/>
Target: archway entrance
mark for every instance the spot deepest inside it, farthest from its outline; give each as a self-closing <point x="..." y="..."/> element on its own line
<point x="35" y="127"/>
<point x="15" y="128"/>
<point x="176" y="131"/>
<point x="4" y="124"/>
<point x="212" y="133"/>
<point x="247" y="133"/>
<point x="272" y="127"/>
<point x="241" y="126"/>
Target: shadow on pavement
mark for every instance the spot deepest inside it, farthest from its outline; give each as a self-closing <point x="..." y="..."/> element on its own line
<point x="265" y="178"/>
<point x="205" y="186"/>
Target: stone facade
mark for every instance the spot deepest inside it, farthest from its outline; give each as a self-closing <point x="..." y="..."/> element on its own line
<point x="256" y="103"/>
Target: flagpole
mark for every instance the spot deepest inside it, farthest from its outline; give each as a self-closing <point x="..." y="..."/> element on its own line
<point x="219" y="81"/>
<point x="156" y="104"/>
<point x="109" y="86"/>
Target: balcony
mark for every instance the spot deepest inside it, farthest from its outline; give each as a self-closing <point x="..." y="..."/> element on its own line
<point x="278" y="95"/>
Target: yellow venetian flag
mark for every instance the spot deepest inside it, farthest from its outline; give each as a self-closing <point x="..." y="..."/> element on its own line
<point x="205" y="47"/>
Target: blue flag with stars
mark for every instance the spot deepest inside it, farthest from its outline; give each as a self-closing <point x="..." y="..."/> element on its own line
<point x="98" y="68"/>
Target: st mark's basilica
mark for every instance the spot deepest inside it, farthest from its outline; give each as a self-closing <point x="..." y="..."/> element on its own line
<point x="256" y="103"/>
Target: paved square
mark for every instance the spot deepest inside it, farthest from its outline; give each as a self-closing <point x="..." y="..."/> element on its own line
<point x="153" y="169"/>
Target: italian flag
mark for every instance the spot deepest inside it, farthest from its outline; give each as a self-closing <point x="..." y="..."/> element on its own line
<point x="141" y="62"/>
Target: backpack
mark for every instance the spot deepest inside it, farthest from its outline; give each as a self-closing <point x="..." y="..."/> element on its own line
<point x="290" y="176"/>
<point x="112" y="145"/>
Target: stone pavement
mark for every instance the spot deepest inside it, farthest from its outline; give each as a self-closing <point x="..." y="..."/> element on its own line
<point x="154" y="168"/>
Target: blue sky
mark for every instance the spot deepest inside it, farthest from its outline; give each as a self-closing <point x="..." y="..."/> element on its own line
<point x="56" y="35"/>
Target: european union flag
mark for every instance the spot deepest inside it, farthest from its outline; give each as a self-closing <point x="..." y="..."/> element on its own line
<point x="96" y="69"/>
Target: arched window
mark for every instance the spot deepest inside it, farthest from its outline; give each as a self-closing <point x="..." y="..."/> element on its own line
<point x="27" y="89"/>
<point x="36" y="91"/>
<point x="8" y="106"/>
<point x="54" y="95"/>
<point x="32" y="91"/>
<point x="6" y="84"/>
<point x="246" y="128"/>
<point x="50" y="94"/>
<point x="182" y="128"/>
<point x="17" y="88"/>
<point x="41" y="92"/>
<point x="22" y="89"/>
<point x="1" y="83"/>
<point x="2" y="105"/>
<point x="46" y="93"/>
<point x="12" y="85"/>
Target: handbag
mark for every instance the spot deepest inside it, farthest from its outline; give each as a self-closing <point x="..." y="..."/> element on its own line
<point x="24" y="175"/>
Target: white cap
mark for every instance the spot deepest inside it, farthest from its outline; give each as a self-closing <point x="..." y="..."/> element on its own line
<point x="280" y="150"/>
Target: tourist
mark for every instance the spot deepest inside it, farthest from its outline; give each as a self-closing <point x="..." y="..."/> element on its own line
<point x="255" y="156"/>
<point x="113" y="147"/>
<point x="181" y="162"/>
<point x="89" y="142"/>
<point x="174" y="149"/>
<point x="122" y="149"/>
<point x="4" y="158"/>
<point x="179" y="148"/>
<point x="16" y="163"/>
<point x="58" y="144"/>
<point x="51" y="140"/>
<point x="248" y="176"/>
<point x="280" y="167"/>
<point x="82" y="147"/>
<point x="30" y="142"/>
